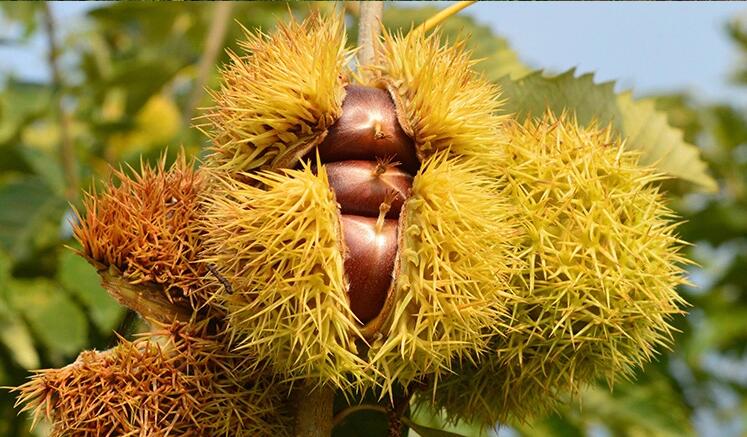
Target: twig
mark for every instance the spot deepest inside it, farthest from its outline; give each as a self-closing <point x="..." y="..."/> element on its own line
<point x="369" y="27"/>
<point x="396" y="413"/>
<point x="67" y="148"/>
<point x="148" y="300"/>
<point x="226" y="285"/>
<point x="442" y="16"/>
<point x="314" y="408"/>
<point x="213" y="43"/>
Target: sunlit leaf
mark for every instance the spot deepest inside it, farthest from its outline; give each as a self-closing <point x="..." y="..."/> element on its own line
<point x="156" y="124"/>
<point x="643" y="127"/>
<point x="21" y="103"/>
<point x="23" y="13"/>
<point x="46" y="166"/>
<point x="13" y="332"/>
<point x="16" y="337"/>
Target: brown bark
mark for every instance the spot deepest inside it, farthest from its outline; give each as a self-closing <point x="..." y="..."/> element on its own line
<point x="314" y="408"/>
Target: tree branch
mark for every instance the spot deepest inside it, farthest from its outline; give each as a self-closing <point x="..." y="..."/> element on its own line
<point x="67" y="148"/>
<point x="213" y="43"/>
<point x="369" y="27"/>
<point x="149" y="301"/>
<point x="314" y="408"/>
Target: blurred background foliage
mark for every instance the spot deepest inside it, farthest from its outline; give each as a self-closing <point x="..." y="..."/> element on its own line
<point x="127" y="84"/>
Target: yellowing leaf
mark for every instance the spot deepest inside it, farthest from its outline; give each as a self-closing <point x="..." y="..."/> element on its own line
<point x="157" y="123"/>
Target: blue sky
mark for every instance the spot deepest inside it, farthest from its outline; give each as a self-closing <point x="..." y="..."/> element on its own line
<point x="647" y="46"/>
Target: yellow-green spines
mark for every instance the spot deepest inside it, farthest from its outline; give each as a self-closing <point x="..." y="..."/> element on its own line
<point x="597" y="292"/>
<point x="277" y="239"/>
<point x="177" y="381"/>
<point x="278" y="99"/>
<point x="455" y="260"/>
<point x="442" y="102"/>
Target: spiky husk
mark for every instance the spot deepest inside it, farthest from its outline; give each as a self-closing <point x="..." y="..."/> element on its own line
<point x="455" y="260"/>
<point x="279" y="98"/>
<point x="145" y="226"/>
<point x="442" y="102"/>
<point x="276" y="239"/>
<point x="178" y="381"/>
<point x="599" y="287"/>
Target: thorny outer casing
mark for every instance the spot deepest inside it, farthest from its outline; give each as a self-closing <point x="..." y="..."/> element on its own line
<point x="472" y="263"/>
<point x="361" y="264"/>
<point x="287" y="243"/>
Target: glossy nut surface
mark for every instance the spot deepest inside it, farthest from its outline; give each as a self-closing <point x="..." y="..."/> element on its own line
<point x="369" y="263"/>
<point x="368" y="129"/>
<point x="362" y="186"/>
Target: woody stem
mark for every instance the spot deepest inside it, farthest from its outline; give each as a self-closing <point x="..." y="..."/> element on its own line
<point x="369" y="27"/>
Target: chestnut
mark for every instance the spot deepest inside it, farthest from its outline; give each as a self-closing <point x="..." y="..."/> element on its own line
<point x="368" y="129"/>
<point x="369" y="262"/>
<point x="361" y="186"/>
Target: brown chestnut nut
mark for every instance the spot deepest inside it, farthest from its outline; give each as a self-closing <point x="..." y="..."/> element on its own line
<point x="369" y="262"/>
<point x="362" y="186"/>
<point x="368" y="129"/>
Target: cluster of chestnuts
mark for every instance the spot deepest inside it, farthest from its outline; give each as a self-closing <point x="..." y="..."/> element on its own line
<point x="385" y="233"/>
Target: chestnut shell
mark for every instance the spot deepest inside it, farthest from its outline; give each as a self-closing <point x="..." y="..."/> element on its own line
<point x="360" y="189"/>
<point x="369" y="263"/>
<point x="368" y="129"/>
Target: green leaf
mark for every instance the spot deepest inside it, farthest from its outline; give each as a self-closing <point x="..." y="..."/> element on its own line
<point x="30" y="216"/>
<point x="20" y="104"/>
<point x="80" y="279"/>
<point x="13" y="332"/>
<point x="55" y="320"/>
<point x="649" y="406"/>
<point x="425" y="421"/>
<point x="5" y="268"/>
<point x="643" y="127"/>
<point x="46" y="166"/>
<point x="534" y="94"/>
<point x="662" y="146"/>
<point x="425" y="431"/>
<point x="16" y="337"/>
<point x="23" y="13"/>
